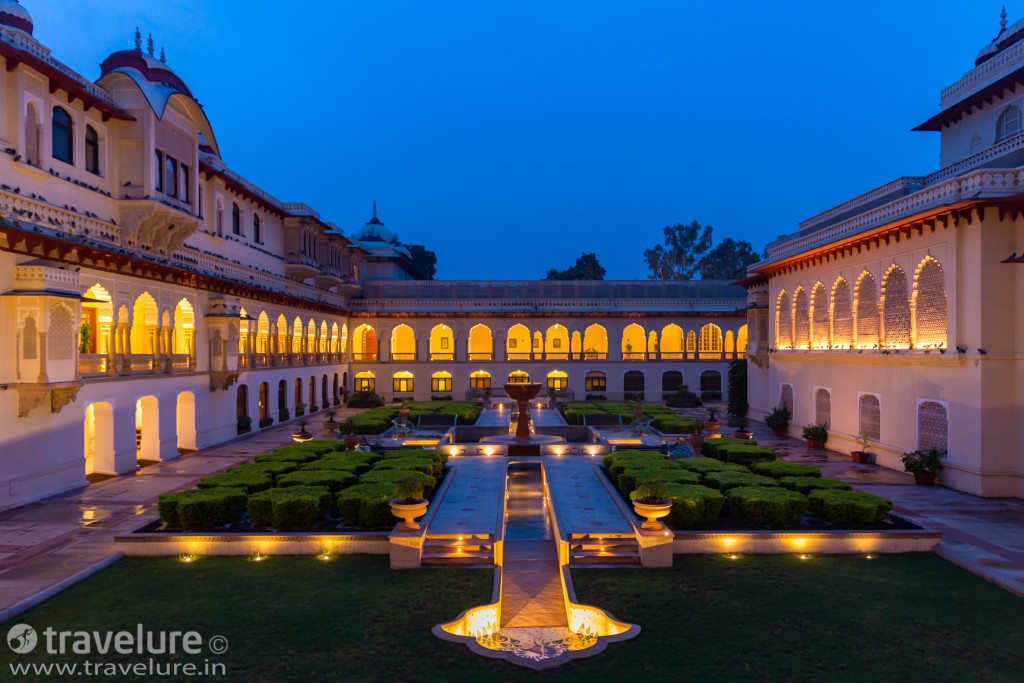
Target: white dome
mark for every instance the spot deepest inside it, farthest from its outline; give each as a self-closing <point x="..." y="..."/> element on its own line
<point x="13" y="15"/>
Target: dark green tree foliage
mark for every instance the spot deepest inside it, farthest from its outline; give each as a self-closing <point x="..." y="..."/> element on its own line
<point x="424" y="262"/>
<point x="738" y="406"/>
<point x="587" y="268"/>
<point x="728" y="260"/>
<point x="680" y="256"/>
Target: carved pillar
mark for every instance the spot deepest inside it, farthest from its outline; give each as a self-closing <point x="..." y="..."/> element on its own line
<point x="43" y="379"/>
<point x="223" y="355"/>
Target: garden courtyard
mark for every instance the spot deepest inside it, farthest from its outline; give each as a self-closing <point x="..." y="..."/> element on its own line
<point x="895" y="617"/>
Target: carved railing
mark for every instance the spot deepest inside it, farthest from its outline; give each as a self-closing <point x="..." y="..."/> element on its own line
<point x="92" y="365"/>
<point x="142" y="363"/>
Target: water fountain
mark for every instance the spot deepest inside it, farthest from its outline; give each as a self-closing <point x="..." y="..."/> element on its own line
<point x="523" y="442"/>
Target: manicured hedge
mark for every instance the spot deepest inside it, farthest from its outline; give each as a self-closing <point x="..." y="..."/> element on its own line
<point x="250" y="481"/>
<point x="632" y="476"/>
<point x="380" y="419"/>
<point x="704" y="466"/>
<point x="723" y="481"/>
<point x="744" y="454"/>
<point x="392" y="477"/>
<point x="674" y="424"/>
<point x="766" y="505"/>
<point x="273" y="469"/>
<point x="709" y="446"/>
<point x="807" y="484"/>
<point x="693" y="505"/>
<point x="354" y="465"/>
<point x="782" y="468"/>
<point x="288" y="454"/>
<point x="290" y="507"/>
<point x="366" y="504"/>
<point x="319" y="446"/>
<point x="201" y="508"/>
<point x="415" y="464"/>
<point x="857" y="507"/>
<point x="435" y="455"/>
<point x="575" y="410"/>
<point x="334" y="480"/>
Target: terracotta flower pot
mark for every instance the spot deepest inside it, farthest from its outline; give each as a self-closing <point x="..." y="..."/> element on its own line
<point x="696" y="441"/>
<point x="780" y="432"/>
<point x="862" y="457"/>
<point x="408" y="512"/>
<point x="817" y="445"/>
<point x="351" y="441"/>
<point x="925" y="478"/>
<point x="653" y="512"/>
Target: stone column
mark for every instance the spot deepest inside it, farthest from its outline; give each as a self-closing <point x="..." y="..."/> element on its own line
<point x="43" y="353"/>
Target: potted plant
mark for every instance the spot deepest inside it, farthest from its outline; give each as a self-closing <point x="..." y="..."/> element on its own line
<point x="351" y="440"/>
<point x="816" y="435"/>
<point x="404" y="412"/>
<point x="863" y="456"/>
<point x="330" y="426"/>
<point x="650" y="500"/>
<point x="283" y="415"/>
<point x="244" y="424"/>
<point x="777" y="420"/>
<point x="739" y="425"/>
<point x="409" y="502"/>
<point x="266" y="422"/>
<point x="697" y="438"/>
<point x="924" y="464"/>
<point x="300" y="409"/>
<point x="713" y="423"/>
<point x="302" y="435"/>
<point x="638" y="409"/>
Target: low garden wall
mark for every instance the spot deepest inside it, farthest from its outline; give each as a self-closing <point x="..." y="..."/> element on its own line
<point x="298" y="543"/>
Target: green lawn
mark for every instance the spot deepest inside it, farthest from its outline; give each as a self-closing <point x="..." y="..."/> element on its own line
<point x="831" y="617"/>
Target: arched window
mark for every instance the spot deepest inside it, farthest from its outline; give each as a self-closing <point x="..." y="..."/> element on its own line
<point x="929" y="305"/>
<point x="92" y="150"/>
<point x="558" y="380"/>
<point x="60" y="341"/>
<point x="1008" y="123"/>
<point x="633" y="385"/>
<point x="711" y="385"/>
<point x="671" y="381"/>
<point x="170" y="176"/>
<point x="29" y="339"/>
<point x="932" y="426"/>
<point x="710" y="339"/>
<point x="895" y="309"/>
<point x="63" y="135"/>
<point x="596" y="381"/>
<point x="257" y="233"/>
<point x="842" y="315"/>
<point x="218" y="218"/>
<point x="441" y="382"/>
<point x="822" y="407"/>
<point x="819" y="317"/>
<point x="801" y="320"/>
<point x="870" y="417"/>
<point x="865" y="323"/>
<point x="365" y="381"/>
<point x="480" y="379"/>
<point x="32" y="145"/>
<point x="786" y="396"/>
<point x="518" y="377"/>
<point x="783" y="322"/>
<point x="236" y="219"/>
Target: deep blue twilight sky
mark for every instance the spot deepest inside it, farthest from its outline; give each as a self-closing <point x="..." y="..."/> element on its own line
<point x="586" y="125"/>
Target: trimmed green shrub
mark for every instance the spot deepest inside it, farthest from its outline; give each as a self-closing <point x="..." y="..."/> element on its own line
<point x="391" y="477"/>
<point x="201" y="508"/>
<point x="320" y="447"/>
<point x="766" y="505"/>
<point x="366" y="504"/>
<point x="437" y="456"/>
<point x="674" y="424"/>
<point x="631" y="476"/>
<point x="693" y="505"/>
<point x="781" y="468"/>
<point x="743" y="454"/>
<point x="288" y="454"/>
<point x="273" y="469"/>
<point x="365" y="399"/>
<point x="856" y="507"/>
<point x="334" y="480"/>
<point x="354" y="466"/>
<point x="704" y="466"/>
<point x="415" y="464"/>
<point x="724" y="481"/>
<point x="251" y="481"/>
<point x="709" y="446"/>
<point x="623" y="459"/>
<point x="291" y="507"/>
<point x="805" y="485"/>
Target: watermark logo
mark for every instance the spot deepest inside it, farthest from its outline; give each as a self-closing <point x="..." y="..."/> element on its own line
<point x="22" y="638"/>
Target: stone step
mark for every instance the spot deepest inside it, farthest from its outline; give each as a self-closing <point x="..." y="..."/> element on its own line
<point x="605" y="554"/>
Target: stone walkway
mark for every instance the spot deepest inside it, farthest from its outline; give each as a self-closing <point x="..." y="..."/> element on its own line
<point x="45" y="543"/>
<point x="983" y="535"/>
<point x="582" y="503"/>
<point x="473" y="500"/>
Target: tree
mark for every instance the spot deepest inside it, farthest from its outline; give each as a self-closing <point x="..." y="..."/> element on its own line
<point x="586" y="268"/>
<point x="680" y="257"/>
<point x="424" y="262"/>
<point x="728" y="260"/>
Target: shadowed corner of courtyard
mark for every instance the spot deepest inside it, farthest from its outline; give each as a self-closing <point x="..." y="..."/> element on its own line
<point x="912" y="616"/>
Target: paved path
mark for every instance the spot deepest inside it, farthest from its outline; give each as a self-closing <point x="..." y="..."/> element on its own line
<point x="473" y="500"/>
<point x="582" y="502"/>
<point x="492" y="417"/>
<point x="44" y="543"/>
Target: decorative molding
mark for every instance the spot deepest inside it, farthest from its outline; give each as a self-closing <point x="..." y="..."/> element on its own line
<point x="222" y="380"/>
<point x="31" y="396"/>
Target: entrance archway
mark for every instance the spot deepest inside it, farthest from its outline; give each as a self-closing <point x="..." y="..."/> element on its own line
<point x="186" y="421"/>
<point x="99" y="438"/>
<point x="147" y="428"/>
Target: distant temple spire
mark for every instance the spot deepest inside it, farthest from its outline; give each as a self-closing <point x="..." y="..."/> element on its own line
<point x="1002" y="19"/>
<point x="374" y="208"/>
<point x="149" y="45"/>
<point x="163" y="56"/>
<point x="138" y="40"/>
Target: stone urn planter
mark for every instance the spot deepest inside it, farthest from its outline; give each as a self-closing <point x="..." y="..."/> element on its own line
<point x="696" y="441"/>
<point x="740" y="434"/>
<point x="408" y="511"/>
<point x="779" y="432"/>
<point x="816" y="445"/>
<point x="925" y="478"/>
<point x="331" y="428"/>
<point x="351" y="441"/>
<point x="653" y="512"/>
<point x="860" y="457"/>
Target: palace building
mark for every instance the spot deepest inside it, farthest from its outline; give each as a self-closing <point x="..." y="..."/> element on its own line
<point x="894" y="316"/>
<point x="155" y="301"/>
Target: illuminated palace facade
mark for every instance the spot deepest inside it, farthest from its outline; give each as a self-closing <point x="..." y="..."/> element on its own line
<point x="155" y="301"/>
<point x="896" y="315"/>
